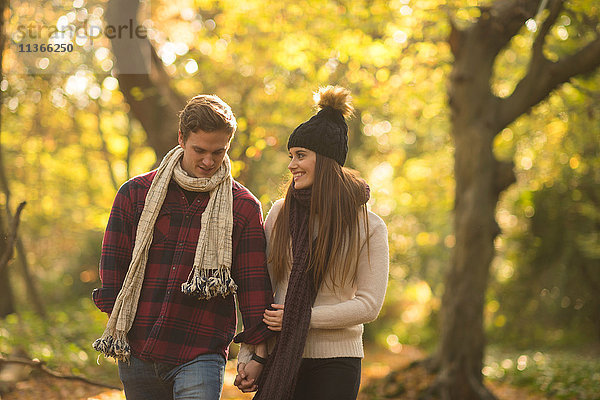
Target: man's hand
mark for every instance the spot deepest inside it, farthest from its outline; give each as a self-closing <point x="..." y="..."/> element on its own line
<point x="247" y="376"/>
<point x="274" y="318"/>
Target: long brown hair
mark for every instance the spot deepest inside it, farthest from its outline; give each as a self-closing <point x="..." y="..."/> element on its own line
<point x="337" y="204"/>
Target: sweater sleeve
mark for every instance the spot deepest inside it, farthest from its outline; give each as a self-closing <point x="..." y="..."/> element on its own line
<point x="245" y="353"/>
<point x="117" y="247"/>
<point x="371" y="282"/>
<point x="249" y="271"/>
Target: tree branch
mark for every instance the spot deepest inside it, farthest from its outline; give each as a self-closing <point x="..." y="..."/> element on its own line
<point x="542" y="78"/>
<point x="40" y="366"/>
<point x="12" y="237"/>
<point x="22" y="254"/>
<point x="105" y="152"/>
<point x="455" y="39"/>
<point x="479" y="44"/>
<point x="538" y="45"/>
<point x="505" y="18"/>
<point x="504" y="175"/>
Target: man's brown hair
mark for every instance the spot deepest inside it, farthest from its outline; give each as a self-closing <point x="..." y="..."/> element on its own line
<point x="207" y="113"/>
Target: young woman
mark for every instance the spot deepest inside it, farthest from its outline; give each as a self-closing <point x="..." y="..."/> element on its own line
<point x="328" y="262"/>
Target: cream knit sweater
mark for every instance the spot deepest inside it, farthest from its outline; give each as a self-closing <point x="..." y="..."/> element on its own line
<point x="336" y="324"/>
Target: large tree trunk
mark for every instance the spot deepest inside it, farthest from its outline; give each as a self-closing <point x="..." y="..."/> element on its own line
<point x="462" y="337"/>
<point x="477" y="116"/>
<point x="462" y="340"/>
<point x="144" y="81"/>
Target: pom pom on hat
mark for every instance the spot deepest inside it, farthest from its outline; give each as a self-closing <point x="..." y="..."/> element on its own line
<point x="326" y="132"/>
<point x="335" y="97"/>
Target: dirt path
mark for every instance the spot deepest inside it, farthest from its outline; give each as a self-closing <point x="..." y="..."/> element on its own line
<point x="376" y="365"/>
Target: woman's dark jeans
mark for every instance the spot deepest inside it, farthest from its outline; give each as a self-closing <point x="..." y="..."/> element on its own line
<point x="328" y="379"/>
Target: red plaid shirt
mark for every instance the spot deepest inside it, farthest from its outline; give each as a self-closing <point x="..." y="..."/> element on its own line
<point x="169" y="326"/>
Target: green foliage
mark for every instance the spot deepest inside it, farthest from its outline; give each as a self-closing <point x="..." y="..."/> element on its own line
<point x="63" y="341"/>
<point x="68" y="142"/>
<point x="548" y="264"/>
<point x="265" y="59"/>
<point x="559" y="375"/>
<point x="408" y="318"/>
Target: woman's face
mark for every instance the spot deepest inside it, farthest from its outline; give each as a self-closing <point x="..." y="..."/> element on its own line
<point x="302" y="166"/>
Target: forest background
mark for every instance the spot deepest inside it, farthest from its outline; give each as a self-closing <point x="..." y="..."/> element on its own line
<point x="72" y="133"/>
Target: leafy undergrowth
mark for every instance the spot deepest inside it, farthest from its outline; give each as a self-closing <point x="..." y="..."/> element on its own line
<point x="377" y="366"/>
<point x="63" y="341"/>
<point x="558" y="374"/>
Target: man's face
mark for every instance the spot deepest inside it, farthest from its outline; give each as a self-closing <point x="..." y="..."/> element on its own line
<point x="203" y="152"/>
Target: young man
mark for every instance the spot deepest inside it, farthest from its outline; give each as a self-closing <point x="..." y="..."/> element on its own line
<point x="180" y="242"/>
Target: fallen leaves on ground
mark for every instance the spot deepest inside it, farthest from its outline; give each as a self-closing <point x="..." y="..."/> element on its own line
<point x="377" y="382"/>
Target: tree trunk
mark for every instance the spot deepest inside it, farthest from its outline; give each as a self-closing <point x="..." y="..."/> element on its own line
<point x="462" y="336"/>
<point x="31" y="288"/>
<point x="7" y="304"/>
<point x="462" y="343"/>
<point x="144" y="81"/>
<point x="477" y="117"/>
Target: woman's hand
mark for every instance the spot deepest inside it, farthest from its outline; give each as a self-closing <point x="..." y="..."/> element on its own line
<point x="247" y="376"/>
<point x="274" y="318"/>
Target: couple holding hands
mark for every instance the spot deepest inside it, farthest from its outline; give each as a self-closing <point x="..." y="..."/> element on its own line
<point x="186" y="240"/>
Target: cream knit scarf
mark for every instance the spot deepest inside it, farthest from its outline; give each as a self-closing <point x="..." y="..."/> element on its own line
<point x="211" y="274"/>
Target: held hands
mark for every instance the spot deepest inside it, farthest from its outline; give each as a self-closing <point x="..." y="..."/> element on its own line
<point x="249" y="372"/>
<point x="274" y="318"/>
<point x="247" y="376"/>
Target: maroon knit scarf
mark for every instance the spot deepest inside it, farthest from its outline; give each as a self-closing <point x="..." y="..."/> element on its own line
<point x="278" y="379"/>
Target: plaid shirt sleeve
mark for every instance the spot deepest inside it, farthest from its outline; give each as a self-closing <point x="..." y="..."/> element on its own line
<point x="117" y="247"/>
<point x="249" y="271"/>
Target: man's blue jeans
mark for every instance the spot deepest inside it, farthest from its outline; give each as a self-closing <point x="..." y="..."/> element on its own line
<point x="199" y="379"/>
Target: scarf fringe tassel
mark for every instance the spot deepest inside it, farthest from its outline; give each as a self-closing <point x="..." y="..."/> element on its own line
<point x="115" y="346"/>
<point x="209" y="283"/>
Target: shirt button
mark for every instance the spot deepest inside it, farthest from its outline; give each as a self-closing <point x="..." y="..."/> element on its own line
<point x="187" y="216"/>
<point x="173" y="268"/>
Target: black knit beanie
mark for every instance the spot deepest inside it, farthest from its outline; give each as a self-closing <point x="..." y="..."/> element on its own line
<point x="326" y="132"/>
